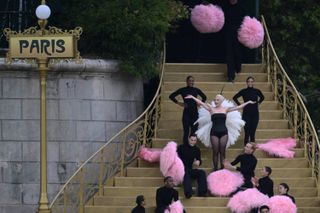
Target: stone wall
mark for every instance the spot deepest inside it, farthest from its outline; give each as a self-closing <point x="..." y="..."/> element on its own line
<point x="84" y="109"/>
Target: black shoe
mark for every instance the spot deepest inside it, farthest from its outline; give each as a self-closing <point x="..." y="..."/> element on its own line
<point x="188" y="196"/>
<point x="230" y="80"/>
<point x="202" y="194"/>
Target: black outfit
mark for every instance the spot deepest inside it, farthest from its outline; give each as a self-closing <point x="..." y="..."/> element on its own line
<point x="188" y="154"/>
<point x="219" y="128"/>
<point x="291" y="197"/>
<point x="248" y="164"/>
<point x="138" y="209"/>
<point x="234" y="15"/>
<point x="190" y="111"/>
<point x="164" y="198"/>
<point x="250" y="112"/>
<point x="266" y="186"/>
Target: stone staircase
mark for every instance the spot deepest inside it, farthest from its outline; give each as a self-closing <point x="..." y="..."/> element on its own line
<point x="144" y="178"/>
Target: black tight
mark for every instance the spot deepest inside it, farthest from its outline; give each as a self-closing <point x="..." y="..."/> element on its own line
<point x="219" y="149"/>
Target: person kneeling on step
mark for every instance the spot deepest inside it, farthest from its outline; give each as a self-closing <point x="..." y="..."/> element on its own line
<point x="166" y="195"/>
<point x="191" y="157"/>
<point x="248" y="163"/>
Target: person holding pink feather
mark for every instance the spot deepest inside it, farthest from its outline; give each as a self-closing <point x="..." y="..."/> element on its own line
<point x="234" y="14"/>
<point x="248" y="163"/>
<point x="265" y="183"/>
<point x="167" y="198"/>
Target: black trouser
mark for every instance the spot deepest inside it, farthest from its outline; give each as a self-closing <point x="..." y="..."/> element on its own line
<point x="201" y="177"/>
<point x="160" y="209"/>
<point x="250" y="127"/>
<point x="188" y="120"/>
<point x="233" y="55"/>
<point x="247" y="182"/>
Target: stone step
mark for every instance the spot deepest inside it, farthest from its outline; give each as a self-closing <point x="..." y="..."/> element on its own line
<point x="264" y="115"/>
<point x="168" y="105"/>
<point x="214" y="76"/>
<point x="297" y="192"/>
<point x="126" y="209"/>
<point x="234" y="152"/>
<point x="210" y="68"/>
<point x="263" y="124"/>
<point x="260" y="133"/>
<point x="215" y="86"/>
<point x="269" y="96"/>
<point x="161" y="142"/>
<point x="194" y="201"/>
<point x="276" y="172"/>
<point x="272" y="162"/>
<point x="158" y="181"/>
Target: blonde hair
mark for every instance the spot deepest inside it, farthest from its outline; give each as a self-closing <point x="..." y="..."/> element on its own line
<point x="220" y="96"/>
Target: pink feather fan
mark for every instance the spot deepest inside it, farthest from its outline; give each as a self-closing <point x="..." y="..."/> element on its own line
<point x="150" y="155"/>
<point x="251" y="33"/>
<point x="175" y="207"/>
<point x="207" y="18"/>
<point x="245" y="201"/>
<point x="281" y="204"/>
<point x="280" y="147"/>
<point x="171" y="164"/>
<point x="224" y="182"/>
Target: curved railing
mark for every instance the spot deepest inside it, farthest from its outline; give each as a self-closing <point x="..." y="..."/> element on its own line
<point x="111" y="159"/>
<point x="293" y="107"/>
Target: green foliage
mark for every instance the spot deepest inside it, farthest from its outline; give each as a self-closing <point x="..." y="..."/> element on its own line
<point x="294" y="27"/>
<point x="132" y="31"/>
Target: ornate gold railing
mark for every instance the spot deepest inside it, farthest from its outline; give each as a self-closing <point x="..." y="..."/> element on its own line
<point x="111" y="159"/>
<point x="293" y="107"/>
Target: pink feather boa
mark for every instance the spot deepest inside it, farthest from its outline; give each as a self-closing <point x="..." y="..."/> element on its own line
<point x="281" y="204"/>
<point x="224" y="182"/>
<point x="245" y="201"/>
<point x="171" y="164"/>
<point x="280" y="147"/>
<point x="150" y="155"/>
<point x="207" y="18"/>
<point x="251" y="33"/>
<point x="175" y="207"/>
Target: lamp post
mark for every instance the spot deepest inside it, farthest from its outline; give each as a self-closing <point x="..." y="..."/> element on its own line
<point x="41" y="45"/>
<point x="43" y="13"/>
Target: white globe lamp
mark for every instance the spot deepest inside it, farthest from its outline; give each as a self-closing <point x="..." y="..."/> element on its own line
<point x="43" y="12"/>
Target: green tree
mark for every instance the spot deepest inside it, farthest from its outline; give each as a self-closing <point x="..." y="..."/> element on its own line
<point x="131" y="31"/>
<point x="294" y="28"/>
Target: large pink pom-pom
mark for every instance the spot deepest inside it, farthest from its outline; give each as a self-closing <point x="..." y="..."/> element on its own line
<point x="281" y="204"/>
<point x="175" y="207"/>
<point x="279" y="147"/>
<point x="171" y="164"/>
<point x="251" y="33"/>
<point x="150" y="155"/>
<point x="224" y="182"/>
<point x="245" y="201"/>
<point x="207" y="18"/>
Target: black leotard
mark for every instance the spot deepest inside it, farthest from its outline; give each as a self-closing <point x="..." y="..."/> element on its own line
<point x="219" y="128"/>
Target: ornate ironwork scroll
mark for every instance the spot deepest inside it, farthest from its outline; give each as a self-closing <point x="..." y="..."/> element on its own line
<point x="111" y="159"/>
<point x="292" y="104"/>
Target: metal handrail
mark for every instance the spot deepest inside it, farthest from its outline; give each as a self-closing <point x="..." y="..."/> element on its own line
<point x="293" y="106"/>
<point x="112" y="158"/>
